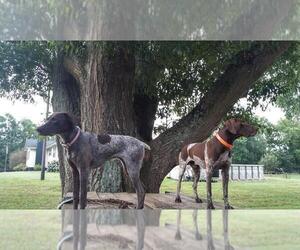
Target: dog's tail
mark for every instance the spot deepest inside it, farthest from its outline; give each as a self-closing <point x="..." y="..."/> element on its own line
<point x="146" y="146"/>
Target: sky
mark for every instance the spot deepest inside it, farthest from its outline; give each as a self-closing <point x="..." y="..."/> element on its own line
<point x="20" y="110"/>
<point x="36" y="111"/>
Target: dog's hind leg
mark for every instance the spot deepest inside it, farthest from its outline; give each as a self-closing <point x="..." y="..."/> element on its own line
<point x="182" y="167"/>
<point x="139" y="190"/>
<point x="198" y="236"/>
<point x="196" y="170"/>
<point x="133" y="169"/>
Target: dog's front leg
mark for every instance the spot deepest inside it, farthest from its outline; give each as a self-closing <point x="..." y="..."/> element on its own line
<point x="83" y="176"/>
<point x="76" y="185"/>
<point x="209" y="173"/>
<point x="225" y="180"/>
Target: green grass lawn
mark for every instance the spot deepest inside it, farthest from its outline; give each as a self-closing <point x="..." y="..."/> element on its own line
<point x="24" y="190"/>
<point x="257" y="229"/>
<point x="274" y="192"/>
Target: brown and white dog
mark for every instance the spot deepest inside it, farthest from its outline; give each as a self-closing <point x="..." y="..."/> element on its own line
<point x="211" y="155"/>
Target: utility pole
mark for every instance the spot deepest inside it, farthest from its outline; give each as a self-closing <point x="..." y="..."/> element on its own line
<point x="6" y="148"/>
<point x="6" y="156"/>
<point x="45" y="140"/>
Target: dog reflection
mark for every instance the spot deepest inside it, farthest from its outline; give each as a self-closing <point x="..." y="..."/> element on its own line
<point x="126" y="229"/>
<point x="210" y="241"/>
<point x="81" y="219"/>
<point x="209" y="237"/>
<point x="198" y="236"/>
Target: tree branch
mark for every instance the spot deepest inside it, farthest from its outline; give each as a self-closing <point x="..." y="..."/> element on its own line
<point x="196" y="126"/>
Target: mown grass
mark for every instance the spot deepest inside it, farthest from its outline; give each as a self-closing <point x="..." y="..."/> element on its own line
<point x="25" y="190"/>
<point x="276" y="192"/>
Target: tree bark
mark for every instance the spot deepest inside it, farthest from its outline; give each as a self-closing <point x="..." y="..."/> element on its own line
<point x="107" y="94"/>
<point x="110" y="104"/>
<point x="233" y="84"/>
<point x="66" y="98"/>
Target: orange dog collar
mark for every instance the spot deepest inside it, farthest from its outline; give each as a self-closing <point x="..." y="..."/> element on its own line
<point x="223" y="142"/>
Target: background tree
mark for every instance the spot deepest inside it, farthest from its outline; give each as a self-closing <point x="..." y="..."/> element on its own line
<point x="13" y="134"/>
<point x="287" y="145"/>
<point x="250" y="150"/>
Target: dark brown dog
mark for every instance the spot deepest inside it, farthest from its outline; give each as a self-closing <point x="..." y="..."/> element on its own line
<point x="211" y="155"/>
<point x="87" y="151"/>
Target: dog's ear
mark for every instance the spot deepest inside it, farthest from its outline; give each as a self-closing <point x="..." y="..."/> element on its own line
<point x="74" y="119"/>
<point x="233" y="125"/>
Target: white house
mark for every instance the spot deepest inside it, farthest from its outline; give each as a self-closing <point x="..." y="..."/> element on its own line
<point x="30" y="148"/>
<point x="51" y="152"/>
<point x="33" y="150"/>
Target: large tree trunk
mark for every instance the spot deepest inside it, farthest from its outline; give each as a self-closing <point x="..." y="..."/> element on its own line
<point x="107" y="96"/>
<point x="233" y="84"/>
<point x="66" y="98"/>
<point x="109" y="106"/>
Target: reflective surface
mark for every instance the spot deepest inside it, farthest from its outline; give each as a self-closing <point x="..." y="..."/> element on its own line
<point x="149" y="20"/>
<point x="149" y="229"/>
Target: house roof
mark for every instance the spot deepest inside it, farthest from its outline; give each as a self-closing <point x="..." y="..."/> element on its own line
<point x="51" y="143"/>
<point x="30" y="143"/>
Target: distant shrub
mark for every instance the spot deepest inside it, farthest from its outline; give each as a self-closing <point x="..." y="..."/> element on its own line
<point x="16" y="158"/>
<point x="37" y="167"/>
<point x="20" y="167"/>
<point x="53" y="166"/>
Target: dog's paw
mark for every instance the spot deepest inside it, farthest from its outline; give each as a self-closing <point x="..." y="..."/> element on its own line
<point x="139" y="206"/>
<point x="227" y="206"/>
<point x="210" y="206"/>
<point x="198" y="200"/>
<point x="178" y="199"/>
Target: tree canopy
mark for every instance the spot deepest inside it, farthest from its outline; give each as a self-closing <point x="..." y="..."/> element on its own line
<point x="177" y="74"/>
